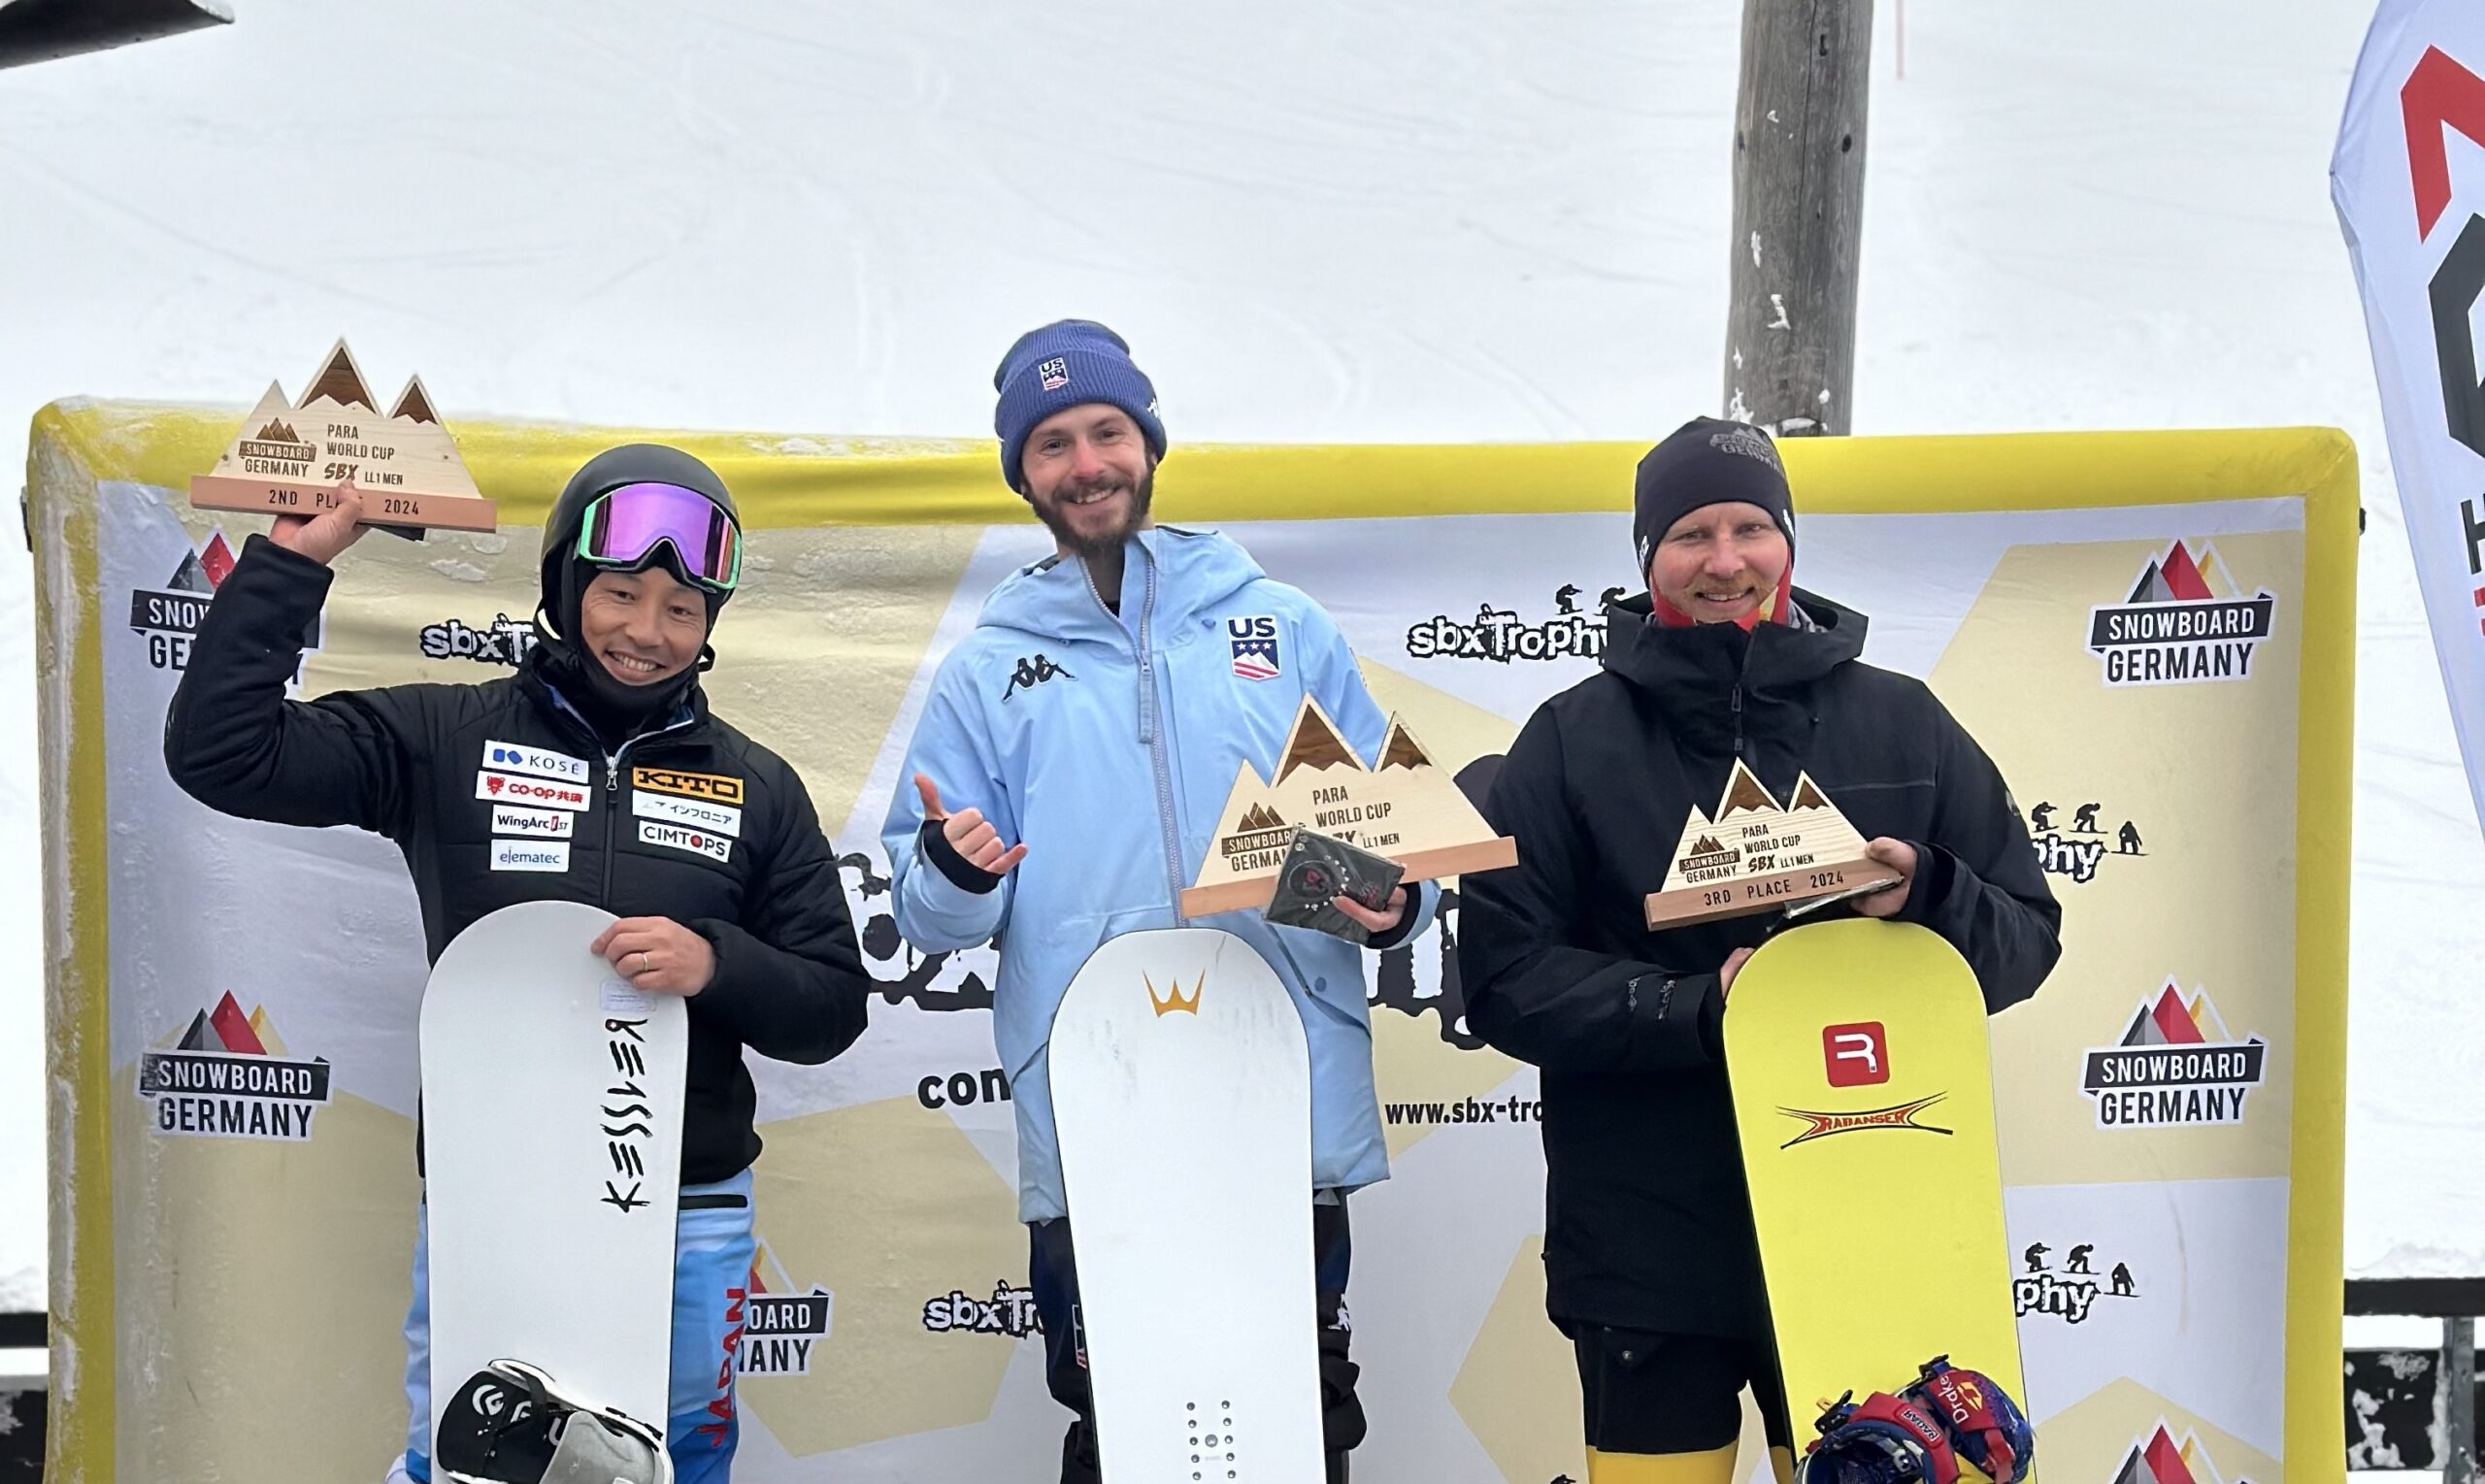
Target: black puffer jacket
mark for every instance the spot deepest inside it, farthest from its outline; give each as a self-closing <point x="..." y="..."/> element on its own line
<point x="1647" y="1222"/>
<point x="416" y="763"/>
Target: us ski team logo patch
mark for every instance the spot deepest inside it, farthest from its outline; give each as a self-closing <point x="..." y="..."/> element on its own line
<point x="1054" y="374"/>
<point x="2183" y="622"/>
<point x="1255" y="647"/>
<point x="2176" y="1064"/>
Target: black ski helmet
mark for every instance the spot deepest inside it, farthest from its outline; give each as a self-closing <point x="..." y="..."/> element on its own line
<point x="563" y="578"/>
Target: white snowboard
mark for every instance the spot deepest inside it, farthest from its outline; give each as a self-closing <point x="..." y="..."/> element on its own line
<point x="553" y="1099"/>
<point x="1181" y="1091"/>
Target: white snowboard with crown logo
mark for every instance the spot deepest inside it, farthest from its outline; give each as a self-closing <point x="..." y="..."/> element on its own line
<point x="1182" y="1092"/>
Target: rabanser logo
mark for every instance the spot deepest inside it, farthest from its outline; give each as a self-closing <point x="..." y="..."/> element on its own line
<point x="2176" y="1064"/>
<point x="1901" y="1115"/>
<point x="229" y="1077"/>
<point x="2181" y="624"/>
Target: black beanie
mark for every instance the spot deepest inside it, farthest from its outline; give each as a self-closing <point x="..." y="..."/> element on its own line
<point x="1706" y="461"/>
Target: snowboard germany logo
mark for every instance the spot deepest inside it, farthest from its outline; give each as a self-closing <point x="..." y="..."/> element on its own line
<point x="229" y="1077"/>
<point x="2183" y="622"/>
<point x="2176" y="1064"/>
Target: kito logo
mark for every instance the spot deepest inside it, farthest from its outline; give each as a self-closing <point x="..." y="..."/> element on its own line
<point x="503" y="641"/>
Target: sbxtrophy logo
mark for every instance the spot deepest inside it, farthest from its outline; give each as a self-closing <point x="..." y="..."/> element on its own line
<point x="1903" y="1115"/>
<point x="1010" y="1311"/>
<point x="167" y="617"/>
<point x="505" y="641"/>
<point x="2158" y="1459"/>
<point x="782" y="1325"/>
<point x="1500" y="636"/>
<point x="2176" y="1064"/>
<point x="2079" y="849"/>
<point x="229" y="1077"/>
<point x="2183" y="622"/>
<point x="2069" y="1292"/>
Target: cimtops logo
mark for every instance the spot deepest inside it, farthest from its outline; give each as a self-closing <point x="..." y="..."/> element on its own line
<point x="1501" y="635"/>
<point x="2183" y="622"/>
<point x="2176" y="1064"/>
<point x="2075" y="847"/>
<point x="230" y="1077"/>
<point x="168" y="618"/>
<point x="505" y="641"/>
<point x="2161" y="1459"/>
<point x="2068" y="1291"/>
<point x="1010" y="1311"/>
<point x="782" y="1324"/>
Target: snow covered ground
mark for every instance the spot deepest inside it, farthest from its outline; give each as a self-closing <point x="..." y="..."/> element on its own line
<point x="1408" y="219"/>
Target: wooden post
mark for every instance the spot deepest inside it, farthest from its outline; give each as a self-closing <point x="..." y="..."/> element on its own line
<point x="1799" y="214"/>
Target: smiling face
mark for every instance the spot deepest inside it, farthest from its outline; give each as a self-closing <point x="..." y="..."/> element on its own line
<point x="642" y="627"/>
<point x="1720" y="563"/>
<point x="1091" y="477"/>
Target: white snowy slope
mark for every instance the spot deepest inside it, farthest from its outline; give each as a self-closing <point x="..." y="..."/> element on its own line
<point x="1447" y="220"/>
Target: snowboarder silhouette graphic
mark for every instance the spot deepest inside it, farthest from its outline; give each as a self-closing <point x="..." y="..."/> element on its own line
<point x="1566" y="600"/>
<point x="2041" y="816"/>
<point x="2079" y="1258"/>
<point x="2121" y="1280"/>
<point x="2085" y="821"/>
<point x="2128" y="842"/>
<point x="2037" y="1256"/>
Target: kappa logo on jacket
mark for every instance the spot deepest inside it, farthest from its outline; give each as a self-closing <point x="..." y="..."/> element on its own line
<point x="1033" y="671"/>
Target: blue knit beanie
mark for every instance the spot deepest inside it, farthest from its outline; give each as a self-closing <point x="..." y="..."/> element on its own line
<point x="1067" y="363"/>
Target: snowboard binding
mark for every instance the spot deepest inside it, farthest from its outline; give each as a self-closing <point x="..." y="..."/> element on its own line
<point x="1883" y="1440"/>
<point x="1985" y="1426"/>
<point x="513" y="1424"/>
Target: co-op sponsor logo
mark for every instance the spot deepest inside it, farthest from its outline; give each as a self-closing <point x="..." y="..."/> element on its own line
<point x="2176" y="1064"/>
<point x="2182" y="623"/>
<point x="1501" y="635"/>
<point x="512" y="788"/>
<point x="228" y="1076"/>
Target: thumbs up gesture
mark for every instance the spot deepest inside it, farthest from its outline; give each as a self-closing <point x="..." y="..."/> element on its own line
<point x="968" y="832"/>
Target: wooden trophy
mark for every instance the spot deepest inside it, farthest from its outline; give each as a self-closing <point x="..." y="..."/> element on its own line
<point x="1406" y="809"/>
<point x="1755" y="854"/>
<point x="297" y="458"/>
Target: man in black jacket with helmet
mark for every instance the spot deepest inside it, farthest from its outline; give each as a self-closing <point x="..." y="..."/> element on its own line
<point x="1651" y="1265"/>
<point x="601" y="741"/>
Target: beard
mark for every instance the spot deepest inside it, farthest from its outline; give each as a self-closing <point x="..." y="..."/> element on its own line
<point x="1056" y="512"/>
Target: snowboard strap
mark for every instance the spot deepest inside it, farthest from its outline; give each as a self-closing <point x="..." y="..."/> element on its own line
<point x="1884" y="1439"/>
<point x="1985" y="1426"/>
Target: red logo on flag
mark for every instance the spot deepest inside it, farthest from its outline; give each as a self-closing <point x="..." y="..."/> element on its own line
<point x="1856" y="1055"/>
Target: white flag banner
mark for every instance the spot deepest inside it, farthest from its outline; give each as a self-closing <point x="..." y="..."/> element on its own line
<point x="2409" y="180"/>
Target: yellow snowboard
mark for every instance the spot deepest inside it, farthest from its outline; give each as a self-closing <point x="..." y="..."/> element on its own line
<point x="1864" y="1100"/>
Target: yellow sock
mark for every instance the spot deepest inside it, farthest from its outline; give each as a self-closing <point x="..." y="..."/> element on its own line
<point x="1714" y="1467"/>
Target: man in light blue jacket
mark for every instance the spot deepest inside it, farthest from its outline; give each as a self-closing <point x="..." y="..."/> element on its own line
<point x="1069" y="768"/>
